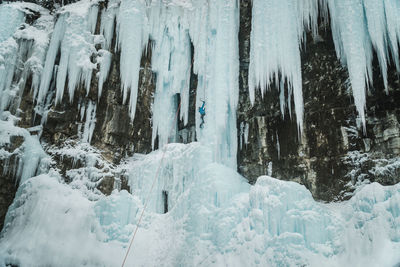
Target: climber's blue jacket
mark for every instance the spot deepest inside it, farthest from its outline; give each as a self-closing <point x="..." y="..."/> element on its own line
<point x="202" y="110"/>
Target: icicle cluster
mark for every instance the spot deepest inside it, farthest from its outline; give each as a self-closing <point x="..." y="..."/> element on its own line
<point x="73" y="37"/>
<point x="174" y="27"/>
<point x="276" y="36"/>
<point x="358" y="28"/>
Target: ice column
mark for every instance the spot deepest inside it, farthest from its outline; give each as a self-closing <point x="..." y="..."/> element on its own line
<point x="171" y="61"/>
<point x="90" y="121"/>
<point x="132" y="38"/>
<point x="214" y="31"/>
<point x="353" y="47"/>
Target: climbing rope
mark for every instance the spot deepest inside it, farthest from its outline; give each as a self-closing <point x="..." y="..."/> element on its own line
<point x="151" y="189"/>
<point x="155" y="177"/>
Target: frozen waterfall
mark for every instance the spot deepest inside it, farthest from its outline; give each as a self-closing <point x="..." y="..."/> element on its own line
<point x="201" y="211"/>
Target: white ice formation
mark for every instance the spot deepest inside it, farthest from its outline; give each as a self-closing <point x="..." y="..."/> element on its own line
<point x="214" y="218"/>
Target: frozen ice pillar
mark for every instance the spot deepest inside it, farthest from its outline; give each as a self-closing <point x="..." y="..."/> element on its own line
<point x="217" y="64"/>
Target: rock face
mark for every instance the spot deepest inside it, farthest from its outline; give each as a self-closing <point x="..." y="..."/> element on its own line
<point x="332" y="151"/>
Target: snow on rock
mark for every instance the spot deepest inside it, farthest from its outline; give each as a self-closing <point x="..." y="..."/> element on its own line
<point x="85" y="167"/>
<point x="8" y="49"/>
<point x="31" y="159"/>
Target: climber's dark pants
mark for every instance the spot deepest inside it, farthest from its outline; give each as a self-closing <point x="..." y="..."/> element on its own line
<point x="202" y="120"/>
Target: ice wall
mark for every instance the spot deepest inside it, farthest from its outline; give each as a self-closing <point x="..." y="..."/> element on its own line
<point x="359" y="29"/>
<point x="217" y="65"/>
<point x="215" y="218"/>
<point x="212" y="28"/>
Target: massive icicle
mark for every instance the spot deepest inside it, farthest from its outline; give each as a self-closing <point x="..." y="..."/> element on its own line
<point x="132" y="38"/>
<point x="353" y="47"/>
<point x="171" y="61"/>
<point x="277" y="31"/>
<point x="358" y="26"/>
<point x="218" y="76"/>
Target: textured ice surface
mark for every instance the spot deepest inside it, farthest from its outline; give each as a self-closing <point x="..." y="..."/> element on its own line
<point x="132" y="38"/>
<point x="185" y="36"/>
<point x="215" y="218"/>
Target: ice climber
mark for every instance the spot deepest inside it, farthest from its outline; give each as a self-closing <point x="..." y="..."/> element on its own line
<point x="202" y="111"/>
